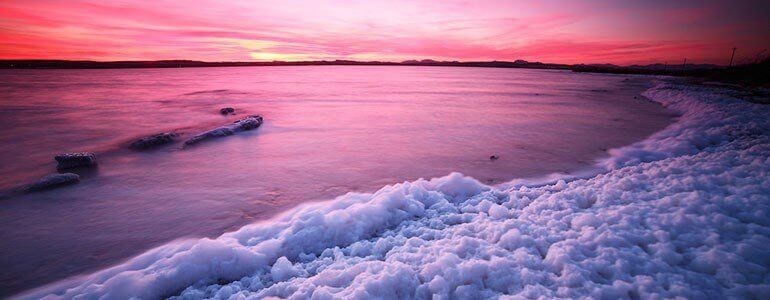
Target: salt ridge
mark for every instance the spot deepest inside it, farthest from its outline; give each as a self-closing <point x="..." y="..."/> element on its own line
<point x="685" y="212"/>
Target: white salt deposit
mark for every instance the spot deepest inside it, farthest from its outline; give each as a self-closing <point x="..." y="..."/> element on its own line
<point x="684" y="213"/>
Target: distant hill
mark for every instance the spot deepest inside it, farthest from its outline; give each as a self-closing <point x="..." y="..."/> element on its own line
<point x="76" y="64"/>
<point x="697" y="70"/>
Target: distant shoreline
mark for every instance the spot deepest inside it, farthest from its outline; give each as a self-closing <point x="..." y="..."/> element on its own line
<point x="753" y="74"/>
<point x="77" y="64"/>
<point x="596" y="68"/>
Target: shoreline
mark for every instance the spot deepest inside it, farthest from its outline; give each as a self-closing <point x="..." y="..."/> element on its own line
<point x="290" y="211"/>
<point x="162" y="64"/>
<point x="690" y="70"/>
<point x="629" y="90"/>
<point x="248" y="262"/>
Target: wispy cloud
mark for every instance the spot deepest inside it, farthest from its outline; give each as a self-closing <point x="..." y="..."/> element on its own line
<point x="555" y="31"/>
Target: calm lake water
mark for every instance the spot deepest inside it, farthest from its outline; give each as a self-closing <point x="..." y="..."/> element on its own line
<point x="328" y="130"/>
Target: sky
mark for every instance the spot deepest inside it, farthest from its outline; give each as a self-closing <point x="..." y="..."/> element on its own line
<point x="558" y="31"/>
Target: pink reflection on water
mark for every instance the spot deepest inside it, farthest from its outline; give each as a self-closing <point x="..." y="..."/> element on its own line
<point x="327" y="131"/>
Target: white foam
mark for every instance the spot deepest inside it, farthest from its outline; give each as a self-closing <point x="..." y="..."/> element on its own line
<point x="683" y="213"/>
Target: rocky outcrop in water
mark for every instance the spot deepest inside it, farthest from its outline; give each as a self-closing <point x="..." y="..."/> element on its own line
<point x="247" y="123"/>
<point x="75" y="160"/>
<point x="153" y="141"/>
<point x="227" y="111"/>
<point x="53" y="180"/>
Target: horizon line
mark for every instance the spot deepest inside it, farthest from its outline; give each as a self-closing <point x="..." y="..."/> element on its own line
<point x="408" y="61"/>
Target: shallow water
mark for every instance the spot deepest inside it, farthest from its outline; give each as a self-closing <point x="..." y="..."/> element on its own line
<point x="328" y="130"/>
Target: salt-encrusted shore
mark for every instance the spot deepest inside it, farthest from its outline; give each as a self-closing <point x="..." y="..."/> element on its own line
<point x="685" y="212"/>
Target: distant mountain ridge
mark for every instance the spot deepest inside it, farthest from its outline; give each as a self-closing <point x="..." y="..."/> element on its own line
<point x="84" y="64"/>
<point x="658" y="69"/>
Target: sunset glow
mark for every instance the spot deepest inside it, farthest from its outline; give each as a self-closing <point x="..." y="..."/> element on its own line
<point x="552" y="31"/>
<point x="385" y="149"/>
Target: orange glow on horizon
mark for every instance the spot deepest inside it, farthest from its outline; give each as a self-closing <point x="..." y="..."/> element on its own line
<point x="549" y="31"/>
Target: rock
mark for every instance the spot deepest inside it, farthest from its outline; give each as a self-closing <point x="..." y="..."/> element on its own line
<point x="227" y="111"/>
<point x="153" y="141"/>
<point x="74" y="160"/>
<point x="494" y="157"/>
<point x="219" y="132"/>
<point x="53" y="180"/>
<point x="247" y="123"/>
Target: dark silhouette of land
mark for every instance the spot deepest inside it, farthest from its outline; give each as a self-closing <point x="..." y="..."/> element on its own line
<point x="84" y="64"/>
<point x="752" y="74"/>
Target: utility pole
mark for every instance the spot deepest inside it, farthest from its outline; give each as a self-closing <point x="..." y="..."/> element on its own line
<point x="732" y="56"/>
<point x="684" y="63"/>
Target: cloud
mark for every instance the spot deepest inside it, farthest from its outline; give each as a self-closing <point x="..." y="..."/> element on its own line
<point x="556" y="31"/>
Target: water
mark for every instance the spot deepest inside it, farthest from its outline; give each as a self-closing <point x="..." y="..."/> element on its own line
<point x="328" y="130"/>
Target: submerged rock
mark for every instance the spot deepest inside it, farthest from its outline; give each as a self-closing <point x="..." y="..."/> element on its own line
<point x="227" y="111"/>
<point x="247" y="123"/>
<point x="153" y="141"/>
<point x="54" y="180"/>
<point x="74" y="160"/>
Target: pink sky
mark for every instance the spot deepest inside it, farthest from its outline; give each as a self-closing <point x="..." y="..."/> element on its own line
<point x="621" y="32"/>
